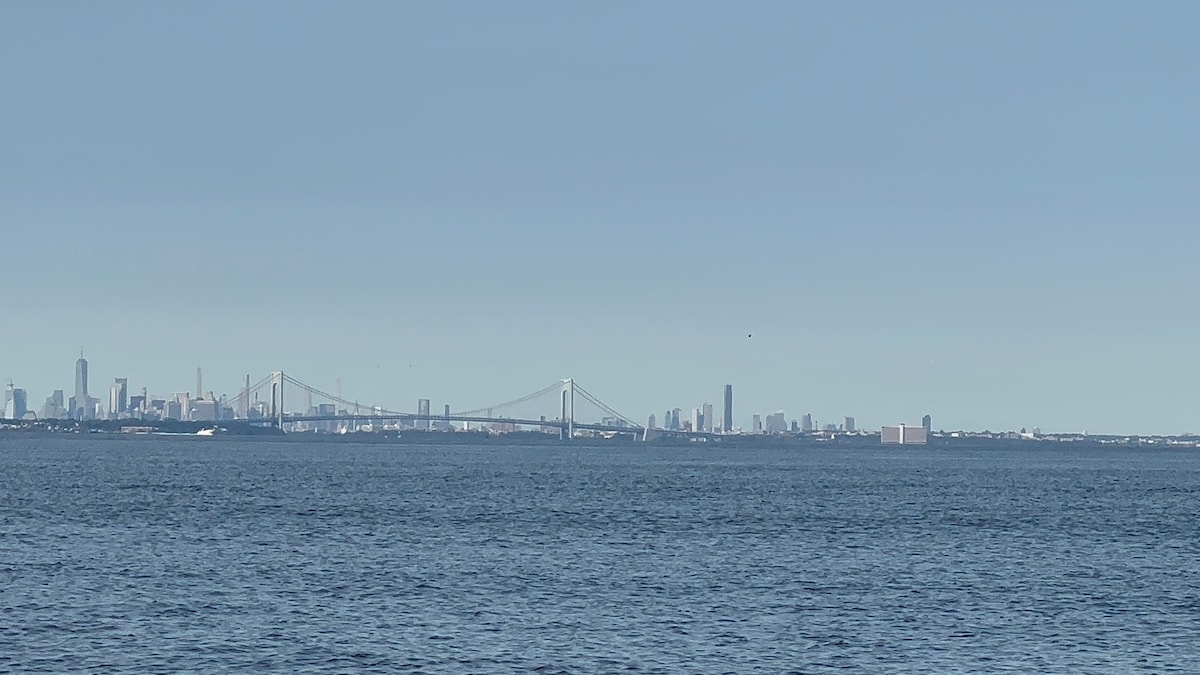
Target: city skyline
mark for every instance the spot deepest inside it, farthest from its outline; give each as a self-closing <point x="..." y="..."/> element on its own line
<point x="200" y="404"/>
<point x="981" y="211"/>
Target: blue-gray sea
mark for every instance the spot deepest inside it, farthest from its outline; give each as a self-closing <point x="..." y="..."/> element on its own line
<point x="226" y="555"/>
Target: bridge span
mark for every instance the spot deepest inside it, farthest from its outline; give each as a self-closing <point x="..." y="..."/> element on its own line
<point x="565" y="393"/>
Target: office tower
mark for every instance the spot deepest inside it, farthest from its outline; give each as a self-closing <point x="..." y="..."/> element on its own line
<point x="650" y="423"/>
<point x="806" y="423"/>
<point x="756" y="424"/>
<point x="697" y="419"/>
<point x="728" y="408"/>
<point x="447" y="413"/>
<point x="203" y="410"/>
<point x="120" y="405"/>
<point x="707" y="410"/>
<point x="927" y="424"/>
<point x="185" y="405"/>
<point x="423" y="414"/>
<point x="848" y="425"/>
<point x="55" y="406"/>
<point x="20" y="404"/>
<point x="81" y="404"/>
<point x="16" y="403"/>
<point x="776" y="423"/>
<point x="675" y="425"/>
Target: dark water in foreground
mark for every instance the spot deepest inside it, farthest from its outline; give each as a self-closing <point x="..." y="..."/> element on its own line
<point x="212" y="555"/>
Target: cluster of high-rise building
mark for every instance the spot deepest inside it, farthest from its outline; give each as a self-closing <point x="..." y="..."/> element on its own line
<point x="195" y="406"/>
<point x="701" y="419"/>
<point x="120" y="403"/>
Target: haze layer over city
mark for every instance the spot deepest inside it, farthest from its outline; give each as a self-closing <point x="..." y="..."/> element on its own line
<point x="985" y="213"/>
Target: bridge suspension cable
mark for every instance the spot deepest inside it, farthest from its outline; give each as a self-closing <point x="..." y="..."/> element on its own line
<point x="336" y="399"/>
<point x="601" y="405"/>
<point x="557" y="386"/>
<point x="246" y="393"/>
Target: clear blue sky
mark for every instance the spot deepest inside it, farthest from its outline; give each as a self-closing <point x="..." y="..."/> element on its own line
<point x="984" y="211"/>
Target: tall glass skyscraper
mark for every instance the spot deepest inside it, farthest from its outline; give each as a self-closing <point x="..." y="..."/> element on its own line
<point x="119" y="397"/>
<point x="728" y="421"/>
<point x="81" y="404"/>
<point x="16" y="404"/>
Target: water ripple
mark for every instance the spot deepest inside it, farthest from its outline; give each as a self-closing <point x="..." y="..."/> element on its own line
<point x="166" y="555"/>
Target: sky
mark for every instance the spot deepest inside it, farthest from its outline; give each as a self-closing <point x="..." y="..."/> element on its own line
<point x="982" y="211"/>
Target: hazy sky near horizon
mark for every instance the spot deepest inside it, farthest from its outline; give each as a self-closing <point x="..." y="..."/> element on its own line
<point x="983" y="211"/>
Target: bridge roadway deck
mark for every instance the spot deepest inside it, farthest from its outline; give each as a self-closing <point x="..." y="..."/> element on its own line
<point x="413" y="417"/>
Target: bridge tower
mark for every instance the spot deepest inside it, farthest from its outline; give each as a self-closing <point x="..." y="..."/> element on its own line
<point x="567" y="432"/>
<point x="244" y="406"/>
<point x="277" y="400"/>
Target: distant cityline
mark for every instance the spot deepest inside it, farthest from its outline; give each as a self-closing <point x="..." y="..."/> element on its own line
<point x="82" y="406"/>
<point x="201" y="406"/>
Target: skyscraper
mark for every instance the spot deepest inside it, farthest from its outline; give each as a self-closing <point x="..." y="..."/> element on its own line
<point x="707" y="411"/>
<point x="848" y="425"/>
<point x="927" y="424"/>
<point x="423" y="414"/>
<point x="81" y="403"/>
<point x="728" y="422"/>
<point x="16" y="404"/>
<point x="55" y="407"/>
<point x="119" y="405"/>
<point x="806" y="423"/>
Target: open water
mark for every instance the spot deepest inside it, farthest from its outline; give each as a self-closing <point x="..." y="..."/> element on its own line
<point x="215" y="555"/>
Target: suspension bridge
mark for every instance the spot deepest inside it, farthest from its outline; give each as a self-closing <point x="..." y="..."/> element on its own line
<point x="563" y="407"/>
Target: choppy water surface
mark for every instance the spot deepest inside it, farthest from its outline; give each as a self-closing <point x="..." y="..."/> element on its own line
<point x="225" y="555"/>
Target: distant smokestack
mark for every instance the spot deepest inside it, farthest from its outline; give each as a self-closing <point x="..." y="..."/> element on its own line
<point x="199" y="384"/>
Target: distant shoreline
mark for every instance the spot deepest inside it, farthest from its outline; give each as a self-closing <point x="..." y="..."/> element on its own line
<point x="231" y="430"/>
